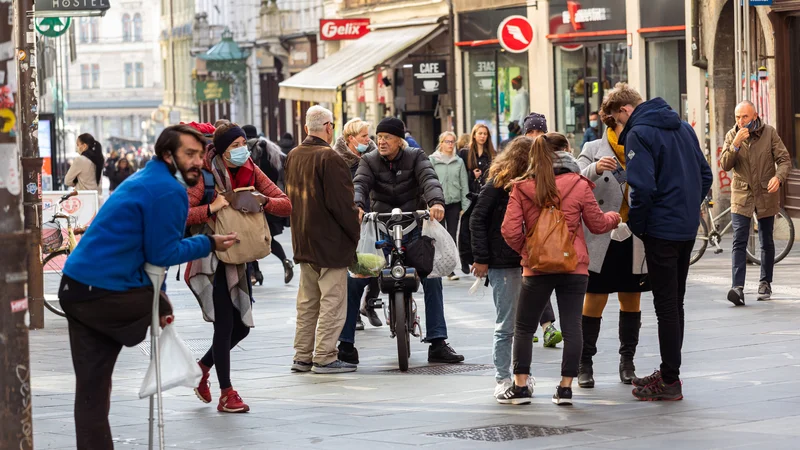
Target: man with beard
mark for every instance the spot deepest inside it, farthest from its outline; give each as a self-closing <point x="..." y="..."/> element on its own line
<point x="105" y="292"/>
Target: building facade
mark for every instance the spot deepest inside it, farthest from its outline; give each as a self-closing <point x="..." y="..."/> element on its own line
<point x="114" y="84"/>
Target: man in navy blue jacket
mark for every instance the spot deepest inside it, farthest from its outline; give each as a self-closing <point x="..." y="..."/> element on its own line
<point x="668" y="177"/>
<point x="105" y="291"/>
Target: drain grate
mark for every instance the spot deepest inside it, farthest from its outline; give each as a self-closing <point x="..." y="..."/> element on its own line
<point x="444" y="369"/>
<point x="503" y="433"/>
<point x="197" y="346"/>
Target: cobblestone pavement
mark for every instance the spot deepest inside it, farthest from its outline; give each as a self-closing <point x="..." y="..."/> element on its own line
<point x="741" y="374"/>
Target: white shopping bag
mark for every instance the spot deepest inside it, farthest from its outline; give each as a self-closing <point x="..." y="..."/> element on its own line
<point x="445" y="255"/>
<point x="178" y="367"/>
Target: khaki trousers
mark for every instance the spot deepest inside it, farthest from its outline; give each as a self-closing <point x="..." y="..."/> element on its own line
<point x="321" y="312"/>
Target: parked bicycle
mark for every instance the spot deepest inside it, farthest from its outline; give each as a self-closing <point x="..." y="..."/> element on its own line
<point x="783" y="234"/>
<point x="397" y="280"/>
<point x="55" y="251"/>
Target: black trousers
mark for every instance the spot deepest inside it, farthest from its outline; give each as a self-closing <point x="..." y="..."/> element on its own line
<point x="533" y="299"/>
<point x="452" y="213"/>
<point x="668" y="267"/>
<point x="100" y="323"/>
<point x="229" y="330"/>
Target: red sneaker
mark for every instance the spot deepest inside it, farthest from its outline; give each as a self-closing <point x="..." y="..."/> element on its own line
<point x="203" y="390"/>
<point x="230" y="402"/>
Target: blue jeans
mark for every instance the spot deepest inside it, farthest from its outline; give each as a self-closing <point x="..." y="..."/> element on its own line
<point x="435" y="325"/>
<point x="506" y="285"/>
<point x="741" y="234"/>
<point x="355" y="289"/>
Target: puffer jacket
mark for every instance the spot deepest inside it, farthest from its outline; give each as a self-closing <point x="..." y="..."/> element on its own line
<point x="352" y="160"/>
<point x="488" y="245"/>
<point x="578" y="205"/>
<point x="453" y="177"/>
<point x="753" y="166"/>
<point x="407" y="182"/>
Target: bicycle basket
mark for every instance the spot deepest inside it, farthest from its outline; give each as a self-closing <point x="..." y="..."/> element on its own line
<point x="52" y="237"/>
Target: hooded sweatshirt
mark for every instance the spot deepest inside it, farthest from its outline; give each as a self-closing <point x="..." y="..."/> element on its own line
<point x="453" y="176"/>
<point x="577" y="203"/>
<point x="667" y="173"/>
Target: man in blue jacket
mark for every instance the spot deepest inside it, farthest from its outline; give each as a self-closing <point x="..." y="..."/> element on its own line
<point x="105" y="291"/>
<point x="668" y="177"/>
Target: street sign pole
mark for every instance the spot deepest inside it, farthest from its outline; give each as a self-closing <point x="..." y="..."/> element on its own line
<point x="16" y="414"/>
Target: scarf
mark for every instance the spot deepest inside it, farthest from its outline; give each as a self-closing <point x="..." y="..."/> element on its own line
<point x="200" y="273"/>
<point x="564" y="162"/>
<point x="619" y="152"/>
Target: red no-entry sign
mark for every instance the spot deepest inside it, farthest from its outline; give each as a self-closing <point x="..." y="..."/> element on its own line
<point x="515" y="34"/>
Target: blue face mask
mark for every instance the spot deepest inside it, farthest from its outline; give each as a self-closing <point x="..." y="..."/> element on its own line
<point x="179" y="175"/>
<point x="593" y="123"/>
<point x="752" y="125"/>
<point x="239" y="156"/>
<point x="362" y="148"/>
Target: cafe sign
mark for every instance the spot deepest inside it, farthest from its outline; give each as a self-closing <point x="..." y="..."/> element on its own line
<point x="71" y="8"/>
<point x="430" y="77"/>
<point x="209" y="91"/>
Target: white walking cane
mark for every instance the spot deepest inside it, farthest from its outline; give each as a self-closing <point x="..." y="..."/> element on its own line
<point x="156" y="275"/>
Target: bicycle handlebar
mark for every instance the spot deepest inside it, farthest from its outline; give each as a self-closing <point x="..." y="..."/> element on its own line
<point x="68" y="196"/>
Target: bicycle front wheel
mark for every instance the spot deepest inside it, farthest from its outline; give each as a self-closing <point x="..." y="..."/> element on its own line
<point x="53" y="266"/>
<point x="700" y="242"/>
<point x="782" y="235"/>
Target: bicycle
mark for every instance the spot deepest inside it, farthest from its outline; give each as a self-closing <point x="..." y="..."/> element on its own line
<point x="397" y="280"/>
<point x="783" y="234"/>
<point x="56" y="251"/>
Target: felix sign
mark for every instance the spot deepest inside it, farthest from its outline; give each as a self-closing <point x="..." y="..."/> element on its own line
<point x="341" y="29"/>
<point x="71" y="8"/>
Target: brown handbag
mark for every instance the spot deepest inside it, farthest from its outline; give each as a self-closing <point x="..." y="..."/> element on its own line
<point x="550" y="244"/>
<point x="244" y="216"/>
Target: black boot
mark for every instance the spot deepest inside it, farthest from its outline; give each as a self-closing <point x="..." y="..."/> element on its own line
<point x="629" y="324"/>
<point x="288" y="272"/>
<point x="591" y="329"/>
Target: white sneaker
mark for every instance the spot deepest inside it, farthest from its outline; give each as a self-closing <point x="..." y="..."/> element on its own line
<point x="502" y="386"/>
<point x="531" y="383"/>
<point x="453" y="277"/>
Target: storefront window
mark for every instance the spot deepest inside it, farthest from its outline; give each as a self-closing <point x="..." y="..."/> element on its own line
<point x="666" y="72"/>
<point x="480" y="95"/>
<point x="491" y="98"/>
<point x="583" y="75"/>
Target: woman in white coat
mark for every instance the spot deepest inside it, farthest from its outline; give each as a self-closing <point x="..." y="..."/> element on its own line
<point x="617" y="261"/>
<point x="86" y="170"/>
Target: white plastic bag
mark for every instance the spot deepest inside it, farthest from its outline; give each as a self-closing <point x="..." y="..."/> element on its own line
<point x="178" y="367"/>
<point x="477" y="285"/>
<point x="445" y="255"/>
<point x="370" y="260"/>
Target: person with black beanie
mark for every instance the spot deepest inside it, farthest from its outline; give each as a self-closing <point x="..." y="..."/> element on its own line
<point x="86" y="170"/>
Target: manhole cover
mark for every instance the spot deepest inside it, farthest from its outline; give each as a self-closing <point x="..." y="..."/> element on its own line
<point x="504" y="433"/>
<point x="197" y="346"/>
<point x="444" y="369"/>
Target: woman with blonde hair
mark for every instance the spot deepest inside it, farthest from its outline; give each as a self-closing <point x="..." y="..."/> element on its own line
<point x="353" y="143"/>
<point x="553" y="180"/>
<point x="453" y="177"/>
<point x="478" y="156"/>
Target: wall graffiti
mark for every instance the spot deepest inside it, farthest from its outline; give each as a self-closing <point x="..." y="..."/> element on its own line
<point x="23" y="376"/>
<point x="724" y="177"/>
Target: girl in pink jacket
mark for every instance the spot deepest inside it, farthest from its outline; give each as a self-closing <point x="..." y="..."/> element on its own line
<point x="552" y="179"/>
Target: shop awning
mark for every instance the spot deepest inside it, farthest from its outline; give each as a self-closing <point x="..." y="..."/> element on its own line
<point x="320" y="82"/>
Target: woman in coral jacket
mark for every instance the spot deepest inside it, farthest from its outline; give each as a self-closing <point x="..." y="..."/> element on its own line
<point x="552" y="179"/>
<point x="224" y="290"/>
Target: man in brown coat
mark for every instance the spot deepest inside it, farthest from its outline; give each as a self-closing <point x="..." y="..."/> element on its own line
<point x="760" y="164"/>
<point x="325" y="232"/>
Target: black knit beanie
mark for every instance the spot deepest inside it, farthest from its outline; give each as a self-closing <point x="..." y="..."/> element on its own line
<point x="393" y="126"/>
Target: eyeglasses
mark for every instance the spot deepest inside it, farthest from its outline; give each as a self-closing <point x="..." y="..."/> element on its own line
<point x="385" y="137"/>
<point x="449" y="142"/>
<point x="333" y="125"/>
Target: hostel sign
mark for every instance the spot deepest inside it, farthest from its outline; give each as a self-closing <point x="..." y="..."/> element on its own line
<point x="71" y="8"/>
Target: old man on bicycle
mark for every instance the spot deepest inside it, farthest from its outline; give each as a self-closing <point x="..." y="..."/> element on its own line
<point x="400" y="176"/>
<point x="753" y="150"/>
